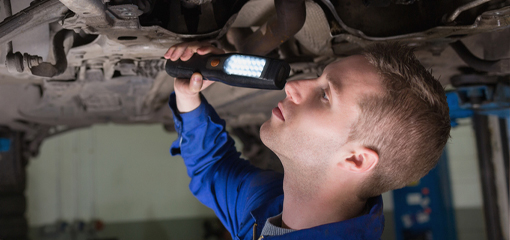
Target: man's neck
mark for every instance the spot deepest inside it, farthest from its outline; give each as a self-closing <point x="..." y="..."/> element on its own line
<point x="304" y="209"/>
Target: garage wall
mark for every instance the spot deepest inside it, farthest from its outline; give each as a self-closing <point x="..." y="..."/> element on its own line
<point x="463" y="165"/>
<point x="124" y="173"/>
<point x="111" y="172"/>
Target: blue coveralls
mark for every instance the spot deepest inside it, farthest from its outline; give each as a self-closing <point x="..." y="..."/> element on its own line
<point x="241" y="195"/>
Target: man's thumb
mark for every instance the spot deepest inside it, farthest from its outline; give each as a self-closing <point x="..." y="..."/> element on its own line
<point x="196" y="82"/>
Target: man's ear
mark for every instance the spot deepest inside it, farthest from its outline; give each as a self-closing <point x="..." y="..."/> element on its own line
<point x="361" y="160"/>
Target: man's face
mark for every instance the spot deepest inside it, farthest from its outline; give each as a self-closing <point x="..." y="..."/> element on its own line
<point x="310" y="126"/>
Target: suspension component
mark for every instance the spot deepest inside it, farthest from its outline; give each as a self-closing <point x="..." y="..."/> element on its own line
<point x="17" y="62"/>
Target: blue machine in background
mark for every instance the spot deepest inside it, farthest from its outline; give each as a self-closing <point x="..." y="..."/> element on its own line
<point x="424" y="210"/>
<point x="484" y="99"/>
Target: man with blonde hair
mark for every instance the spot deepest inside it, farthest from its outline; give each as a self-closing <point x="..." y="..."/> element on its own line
<point x="370" y="123"/>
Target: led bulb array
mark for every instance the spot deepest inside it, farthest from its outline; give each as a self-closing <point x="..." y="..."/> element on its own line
<point x="248" y="66"/>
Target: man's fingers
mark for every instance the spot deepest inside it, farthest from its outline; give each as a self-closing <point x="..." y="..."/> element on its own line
<point x="209" y="49"/>
<point x="181" y="84"/>
<point x="193" y="85"/>
<point x="193" y="48"/>
<point x="196" y="82"/>
<point x="168" y="53"/>
<point x="179" y="50"/>
<point x="189" y="86"/>
<point x="188" y="53"/>
<point x="185" y="51"/>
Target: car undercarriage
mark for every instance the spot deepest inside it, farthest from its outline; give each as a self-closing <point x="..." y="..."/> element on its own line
<point x="69" y="64"/>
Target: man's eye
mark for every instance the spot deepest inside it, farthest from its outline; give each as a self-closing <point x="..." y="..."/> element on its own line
<point x="324" y="95"/>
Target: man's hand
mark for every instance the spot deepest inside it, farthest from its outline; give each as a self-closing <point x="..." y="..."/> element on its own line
<point x="187" y="90"/>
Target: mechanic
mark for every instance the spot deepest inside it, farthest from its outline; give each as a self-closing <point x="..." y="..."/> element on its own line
<point x="369" y="124"/>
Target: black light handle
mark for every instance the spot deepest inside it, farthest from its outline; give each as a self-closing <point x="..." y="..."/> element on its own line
<point x="274" y="75"/>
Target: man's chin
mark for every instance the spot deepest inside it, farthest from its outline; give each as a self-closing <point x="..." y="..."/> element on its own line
<point x="267" y="134"/>
<point x="269" y="138"/>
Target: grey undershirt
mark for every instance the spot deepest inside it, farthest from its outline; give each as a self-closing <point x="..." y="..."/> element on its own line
<point x="271" y="228"/>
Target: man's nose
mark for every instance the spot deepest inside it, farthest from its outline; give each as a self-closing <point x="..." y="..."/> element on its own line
<point x="293" y="91"/>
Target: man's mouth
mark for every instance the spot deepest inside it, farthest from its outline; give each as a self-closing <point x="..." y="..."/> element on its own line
<point x="277" y="111"/>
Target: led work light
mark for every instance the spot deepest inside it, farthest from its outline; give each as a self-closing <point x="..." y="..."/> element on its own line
<point x="234" y="69"/>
